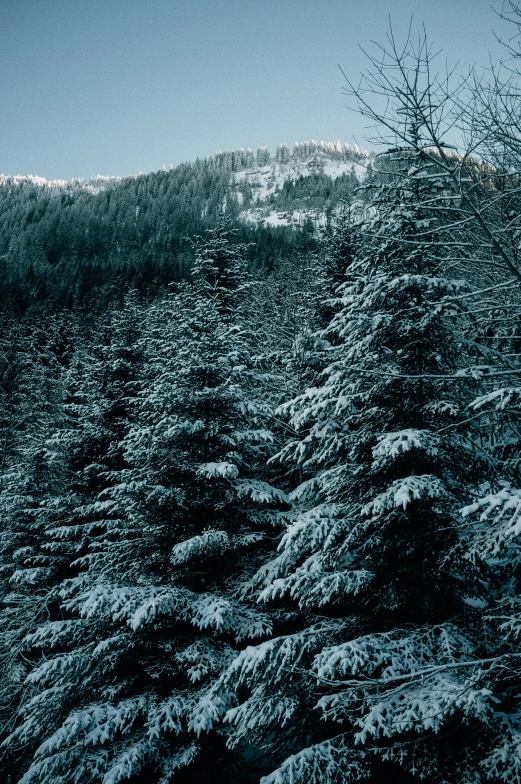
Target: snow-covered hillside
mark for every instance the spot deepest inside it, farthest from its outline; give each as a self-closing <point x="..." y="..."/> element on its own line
<point x="267" y="181"/>
<point x="287" y="189"/>
<point x="261" y="186"/>
<point x="66" y="236"/>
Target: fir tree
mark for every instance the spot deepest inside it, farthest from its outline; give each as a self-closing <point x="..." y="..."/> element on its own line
<point x="72" y="470"/>
<point x="263" y="156"/>
<point x="32" y="476"/>
<point x="154" y="613"/>
<point x="282" y="155"/>
<point x="390" y="629"/>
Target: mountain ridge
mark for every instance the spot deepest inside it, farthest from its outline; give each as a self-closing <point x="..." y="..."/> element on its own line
<point x="66" y="239"/>
<point x="234" y="160"/>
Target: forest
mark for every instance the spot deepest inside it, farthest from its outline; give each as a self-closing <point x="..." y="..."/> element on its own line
<point x="260" y="485"/>
<point x="79" y="245"/>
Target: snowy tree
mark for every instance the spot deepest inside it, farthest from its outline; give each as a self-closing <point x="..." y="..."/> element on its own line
<point x="491" y="540"/>
<point x="269" y="524"/>
<point x="31" y="475"/>
<point x="391" y="636"/>
<point x="282" y="153"/>
<point x="341" y="242"/>
<point x="263" y="156"/>
<point x="237" y="159"/>
<point x="59" y="491"/>
<point x="154" y="612"/>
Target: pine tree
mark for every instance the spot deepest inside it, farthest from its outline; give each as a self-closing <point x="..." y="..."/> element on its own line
<point x="31" y="476"/>
<point x="491" y="540"/>
<point x="385" y="653"/>
<point x="282" y="155"/>
<point x="263" y="156"/>
<point x="67" y="524"/>
<point x="154" y="613"/>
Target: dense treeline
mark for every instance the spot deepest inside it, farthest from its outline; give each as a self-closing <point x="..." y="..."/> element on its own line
<point x="263" y="523"/>
<point x="316" y="191"/>
<point x="76" y="244"/>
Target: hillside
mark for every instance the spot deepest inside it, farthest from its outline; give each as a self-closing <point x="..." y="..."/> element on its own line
<point x="77" y="242"/>
<point x="291" y="190"/>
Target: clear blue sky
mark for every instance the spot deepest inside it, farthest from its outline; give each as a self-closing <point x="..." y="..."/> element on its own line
<point x="120" y="86"/>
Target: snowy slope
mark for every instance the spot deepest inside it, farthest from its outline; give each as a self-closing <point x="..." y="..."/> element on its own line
<point x="266" y="181"/>
<point x="254" y="186"/>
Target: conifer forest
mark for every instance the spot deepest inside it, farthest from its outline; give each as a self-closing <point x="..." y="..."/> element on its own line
<point x="260" y="454"/>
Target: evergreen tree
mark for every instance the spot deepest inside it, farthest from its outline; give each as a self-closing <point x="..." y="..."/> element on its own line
<point x="67" y="524"/>
<point x="31" y="477"/>
<point x="263" y="156"/>
<point x="154" y="613"/>
<point x="491" y="540"/>
<point x="282" y="155"/>
<point x="390" y="627"/>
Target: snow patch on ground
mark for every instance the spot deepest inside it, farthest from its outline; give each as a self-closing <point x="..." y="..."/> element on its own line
<point x="275" y="218"/>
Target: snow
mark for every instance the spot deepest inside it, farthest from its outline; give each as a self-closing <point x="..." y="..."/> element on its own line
<point x="317" y="764"/>
<point x="312" y="585"/>
<point x="500" y="514"/>
<point x="403" y="491"/>
<point x="260" y="492"/>
<point x="207" y="542"/>
<point x="277" y="218"/>
<point x="266" y="180"/>
<point x="391" y="445"/>
<point x="224" y="470"/>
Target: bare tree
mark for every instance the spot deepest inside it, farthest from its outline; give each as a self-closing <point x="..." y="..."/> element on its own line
<point x="413" y="106"/>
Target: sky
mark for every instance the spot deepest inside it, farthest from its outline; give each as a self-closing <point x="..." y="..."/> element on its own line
<point x="117" y="87"/>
